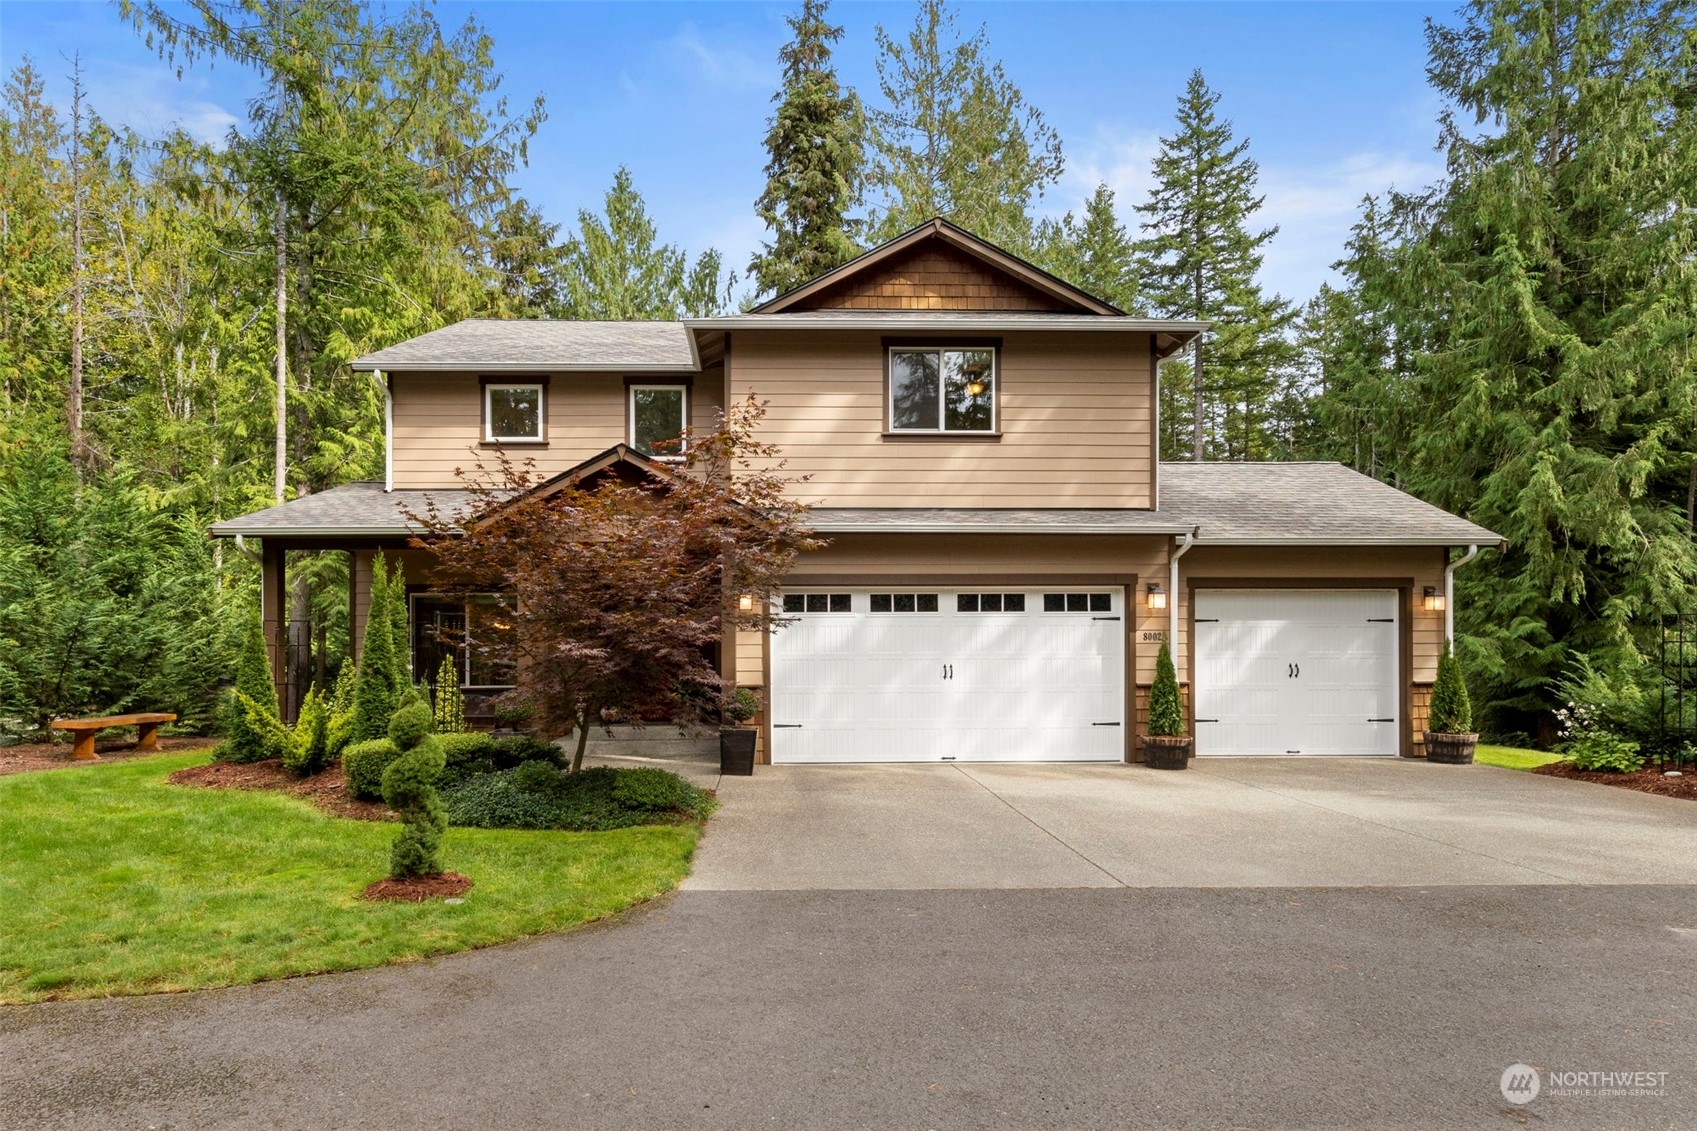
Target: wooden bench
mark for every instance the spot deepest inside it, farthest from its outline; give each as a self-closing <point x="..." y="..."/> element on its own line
<point x="85" y="730"/>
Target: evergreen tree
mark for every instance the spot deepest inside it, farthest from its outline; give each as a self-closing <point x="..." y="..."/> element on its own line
<point x="1166" y="713"/>
<point x="245" y="739"/>
<point x="400" y="677"/>
<point x="375" y="693"/>
<point x="1202" y="260"/>
<point x="449" y="708"/>
<point x="1450" y="711"/>
<point x="814" y="161"/>
<point x="1096" y="254"/>
<point x="409" y="788"/>
<point x="954" y="137"/>
<point x="1553" y="303"/>
<point x="616" y="268"/>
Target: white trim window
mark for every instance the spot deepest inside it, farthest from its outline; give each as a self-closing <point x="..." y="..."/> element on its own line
<point x="657" y="416"/>
<point x="471" y="630"/>
<point x="514" y="412"/>
<point x="942" y="390"/>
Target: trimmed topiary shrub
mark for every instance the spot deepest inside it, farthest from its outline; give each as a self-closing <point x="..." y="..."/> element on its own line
<point x="1451" y="711"/>
<point x="450" y="700"/>
<point x="364" y="763"/>
<point x="536" y="796"/>
<point x="308" y="749"/>
<point x="409" y="786"/>
<point x="244" y="740"/>
<point x="1166" y="714"/>
<point x="516" y="749"/>
<point x="465" y="756"/>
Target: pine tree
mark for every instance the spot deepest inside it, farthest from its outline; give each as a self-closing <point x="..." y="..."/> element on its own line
<point x="375" y="693"/>
<point x="955" y="138"/>
<point x="616" y="268"/>
<point x="243" y="740"/>
<point x="1166" y="713"/>
<point x="1096" y="254"/>
<point x="450" y="700"/>
<point x="1552" y="298"/>
<point x="400" y="675"/>
<point x="1450" y="711"/>
<point x="814" y="162"/>
<point x="1202" y="261"/>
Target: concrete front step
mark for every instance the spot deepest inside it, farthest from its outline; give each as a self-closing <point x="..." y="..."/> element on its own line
<point x="658" y="743"/>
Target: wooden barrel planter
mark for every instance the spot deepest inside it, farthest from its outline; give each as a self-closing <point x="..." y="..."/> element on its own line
<point x="1166" y="752"/>
<point x="1450" y="749"/>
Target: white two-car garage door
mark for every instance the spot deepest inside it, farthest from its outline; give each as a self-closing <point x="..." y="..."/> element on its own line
<point x="1297" y="671"/>
<point x="971" y="673"/>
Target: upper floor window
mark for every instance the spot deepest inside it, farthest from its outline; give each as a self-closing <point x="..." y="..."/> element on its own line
<point x="658" y="416"/>
<point x="513" y="412"/>
<point x="942" y="390"/>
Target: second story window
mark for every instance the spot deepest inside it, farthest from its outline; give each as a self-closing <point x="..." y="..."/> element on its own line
<point x="513" y="412"/>
<point x="658" y="416"/>
<point x="942" y="390"/>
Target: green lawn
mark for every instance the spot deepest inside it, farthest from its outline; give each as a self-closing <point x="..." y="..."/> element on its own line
<point x="114" y="882"/>
<point x="1513" y="758"/>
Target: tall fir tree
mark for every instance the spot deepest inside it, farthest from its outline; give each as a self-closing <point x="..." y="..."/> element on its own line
<point x="615" y="266"/>
<point x="1552" y="299"/>
<point x="1201" y="263"/>
<point x="955" y="137"/>
<point x="815" y="161"/>
<point x="1095" y="254"/>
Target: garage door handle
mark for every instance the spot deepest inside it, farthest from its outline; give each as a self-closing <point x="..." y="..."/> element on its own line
<point x="1104" y="724"/>
<point x="1104" y="618"/>
<point x="786" y="726"/>
<point x="1207" y="720"/>
<point x="1381" y="720"/>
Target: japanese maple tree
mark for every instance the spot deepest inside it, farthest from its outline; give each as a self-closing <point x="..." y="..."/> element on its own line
<point x="610" y="594"/>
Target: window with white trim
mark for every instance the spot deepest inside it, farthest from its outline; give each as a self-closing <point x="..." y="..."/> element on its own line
<point x="513" y="412"/>
<point x="942" y="390"/>
<point x="472" y="632"/>
<point x="658" y="416"/>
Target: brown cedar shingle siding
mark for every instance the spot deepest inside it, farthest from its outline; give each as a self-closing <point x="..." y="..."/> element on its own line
<point x="933" y="276"/>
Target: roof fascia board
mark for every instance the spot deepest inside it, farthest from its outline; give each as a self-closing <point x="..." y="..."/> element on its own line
<point x="1426" y="540"/>
<point x="955" y="237"/>
<point x="366" y="365"/>
<point x="873" y="321"/>
<point x="996" y="528"/>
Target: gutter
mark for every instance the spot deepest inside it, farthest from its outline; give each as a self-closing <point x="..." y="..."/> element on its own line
<point x="1179" y="551"/>
<point x="1449" y="594"/>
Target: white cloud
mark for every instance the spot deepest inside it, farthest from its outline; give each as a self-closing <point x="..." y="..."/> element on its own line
<point x="718" y="64"/>
<point x="1117" y="158"/>
<point x="1315" y="206"/>
<point x="151" y="100"/>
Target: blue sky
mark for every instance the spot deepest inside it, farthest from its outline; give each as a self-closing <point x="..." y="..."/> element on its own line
<point x="1332" y="96"/>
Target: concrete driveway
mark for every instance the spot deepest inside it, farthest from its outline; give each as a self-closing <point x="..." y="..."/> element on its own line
<point x="1234" y="822"/>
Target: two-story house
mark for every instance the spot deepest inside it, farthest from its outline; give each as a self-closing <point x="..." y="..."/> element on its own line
<point x="1007" y="552"/>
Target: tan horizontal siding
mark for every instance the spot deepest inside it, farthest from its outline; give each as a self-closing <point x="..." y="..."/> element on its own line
<point x="1074" y="411"/>
<point x="438" y="421"/>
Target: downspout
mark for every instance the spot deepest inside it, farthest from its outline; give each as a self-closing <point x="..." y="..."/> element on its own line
<point x="1449" y="594"/>
<point x="388" y="431"/>
<point x="1179" y="551"/>
<point x="242" y="546"/>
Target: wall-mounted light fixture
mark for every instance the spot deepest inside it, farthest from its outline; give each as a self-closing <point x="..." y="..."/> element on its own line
<point x="745" y="603"/>
<point x="1434" y="599"/>
<point x="1157" y="596"/>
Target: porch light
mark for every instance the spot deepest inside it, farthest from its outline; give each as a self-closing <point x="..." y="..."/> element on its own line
<point x="975" y="388"/>
<point x="1157" y="596"/>
<point x="1434" y="600"/>
<point x="745" y="603"/>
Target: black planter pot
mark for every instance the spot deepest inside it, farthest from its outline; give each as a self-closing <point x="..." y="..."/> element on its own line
<point x="1450" y="749"/>
<point x="1166" y="752"/>
<point x="736" y="751"/>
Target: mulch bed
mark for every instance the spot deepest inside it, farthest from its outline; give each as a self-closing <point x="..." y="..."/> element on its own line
<point x="1644" y="781"/>
<point x="327" y="790"/>
<point x="31" y="756"/>
<point x="420" y="888"/>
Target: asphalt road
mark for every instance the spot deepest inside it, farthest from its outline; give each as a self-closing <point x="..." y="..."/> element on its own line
<point x="1084" y="1007"/>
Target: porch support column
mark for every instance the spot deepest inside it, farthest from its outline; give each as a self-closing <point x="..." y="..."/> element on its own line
<point x="272" y="619"/>
<point x="359" y="599"/>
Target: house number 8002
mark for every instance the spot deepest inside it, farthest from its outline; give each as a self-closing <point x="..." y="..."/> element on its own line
<point x="1154" y="637"/>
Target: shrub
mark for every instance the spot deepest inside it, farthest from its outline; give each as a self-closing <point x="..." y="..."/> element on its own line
<point x="1605" y="751"/>
<point x="409" y="786"/>
<point x="512" y="709"/>
<point x="340" y="730"/>
<point x="744" y="705"/>
<point x="1451" y="710"/>
<point x="1624" y="699"/>
<point x="588" y="801"/>
<point x="465" y="756"/>
<point x="245" y="739"/>
<point x="308" y="749"/>
<point x="450" y="700"/>
<point x="382" y="680"/>
<point x="364" y="763"/>
<point x="1166" y="715"/>
<point x="519" y="748"/>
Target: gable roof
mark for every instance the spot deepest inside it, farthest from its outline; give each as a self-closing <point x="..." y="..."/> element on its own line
<point x="533" y="345"/>
<point x="1063" y="293"/>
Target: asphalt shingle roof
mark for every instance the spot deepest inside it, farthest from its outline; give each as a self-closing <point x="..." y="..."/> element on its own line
<point x="540" y="345"/>
<point x="1304" y="502"/>
<point x="1293" y="503"/>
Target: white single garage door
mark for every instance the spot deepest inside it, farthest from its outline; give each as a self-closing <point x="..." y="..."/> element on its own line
<point x="1297" y="671"/>
<point x="928" y="674"/>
